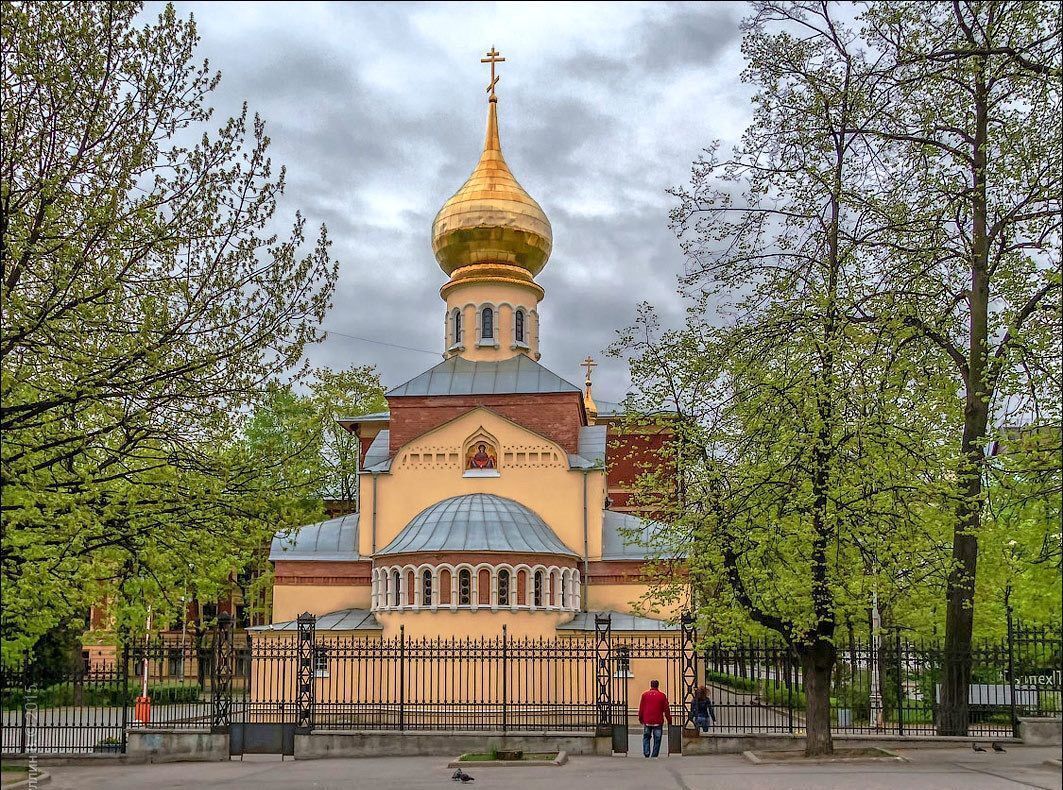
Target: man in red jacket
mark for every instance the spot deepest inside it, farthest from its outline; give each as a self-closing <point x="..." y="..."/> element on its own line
<point x="653" y="713"/>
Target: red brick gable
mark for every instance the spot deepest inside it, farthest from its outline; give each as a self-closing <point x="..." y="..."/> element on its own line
<point x="556" y="415"/>
<point x="634" y="452"/>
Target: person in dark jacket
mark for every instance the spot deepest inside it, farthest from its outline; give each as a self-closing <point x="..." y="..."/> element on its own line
<point x="701" y="710"/>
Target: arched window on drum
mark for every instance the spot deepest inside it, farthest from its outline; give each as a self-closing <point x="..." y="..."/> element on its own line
<point x="518" y="327"/>
<point x="464" y="587"/>
<point x="426" y="588"/>
<point x="503" y="587"/>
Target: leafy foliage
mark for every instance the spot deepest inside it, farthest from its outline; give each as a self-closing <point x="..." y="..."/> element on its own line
<point x="146" y="301"/>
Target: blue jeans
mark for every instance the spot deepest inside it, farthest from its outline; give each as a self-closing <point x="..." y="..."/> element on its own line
<point x="656" y="731"/>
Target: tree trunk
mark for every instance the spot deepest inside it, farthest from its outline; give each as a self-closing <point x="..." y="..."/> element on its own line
<point x="959" y="595"/>
<point x="817" y="664"/>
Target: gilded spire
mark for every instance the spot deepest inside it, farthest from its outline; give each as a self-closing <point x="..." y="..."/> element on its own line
<point x="491" y="219"/>
<point x="588" y="399"/>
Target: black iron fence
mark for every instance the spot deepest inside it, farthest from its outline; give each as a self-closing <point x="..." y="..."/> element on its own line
<point x="313" y="680"/>
<point x="889" y="686"/>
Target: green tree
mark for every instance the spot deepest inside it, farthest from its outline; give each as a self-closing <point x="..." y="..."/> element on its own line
<point x="974" y="101"/>
<point x="337" y="395"/>
<point x="799" y="424"/>
<point x="145" y="302"/>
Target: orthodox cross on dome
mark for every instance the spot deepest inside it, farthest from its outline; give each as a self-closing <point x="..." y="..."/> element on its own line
<point x="492" y="58"/>
<point x="588" y="399"/>
<point x="589" y="364"/>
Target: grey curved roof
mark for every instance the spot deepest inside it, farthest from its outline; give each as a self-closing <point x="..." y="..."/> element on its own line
<point x="460" y="376"/>
<point x="342" y="620"/>
<point x="620" y="621"/>
<point x="335" y="539"/>
<point x="477" y="522"/>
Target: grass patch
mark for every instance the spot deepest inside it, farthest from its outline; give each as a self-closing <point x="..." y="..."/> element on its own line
<point x="10" y="774"/>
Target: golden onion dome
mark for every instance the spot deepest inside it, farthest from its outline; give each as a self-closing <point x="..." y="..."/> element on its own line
<point x="491" y="219"/>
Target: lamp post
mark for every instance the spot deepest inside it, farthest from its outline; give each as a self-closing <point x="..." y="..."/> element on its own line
<point x="875" y="702"/>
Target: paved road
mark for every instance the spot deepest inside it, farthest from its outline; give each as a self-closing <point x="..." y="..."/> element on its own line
<point x="929" y="769"/>
<point x="741" y="712"/>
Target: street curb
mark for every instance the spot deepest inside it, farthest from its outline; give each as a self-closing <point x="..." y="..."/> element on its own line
<point x="886" y="757"/>
<point x="561" y="759"/>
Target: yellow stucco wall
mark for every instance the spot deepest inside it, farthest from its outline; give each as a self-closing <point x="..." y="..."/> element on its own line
<point x="624" y="598"/>
<point x="291" y="600"/>
<point x="430" y="469"/>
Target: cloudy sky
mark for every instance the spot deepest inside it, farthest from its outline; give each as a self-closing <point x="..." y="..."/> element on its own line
<point x="378" y="111"/>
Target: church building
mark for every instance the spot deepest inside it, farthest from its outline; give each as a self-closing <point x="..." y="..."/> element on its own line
<point x="493" y="491"/>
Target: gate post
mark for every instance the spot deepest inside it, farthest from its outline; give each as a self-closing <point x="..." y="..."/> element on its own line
<point x="690" y="662"/>
<point x="1011" y="671"/>
<point x="402" y="677"/>
<point x="304" y="672"/>
<point x="505" y="680"/>
<point x="603" y="654"/>
<point x="222" y="676"/>
<point x="122" y="671"/>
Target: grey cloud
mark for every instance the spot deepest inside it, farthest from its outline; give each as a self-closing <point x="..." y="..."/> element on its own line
<point x="374" y="156"/>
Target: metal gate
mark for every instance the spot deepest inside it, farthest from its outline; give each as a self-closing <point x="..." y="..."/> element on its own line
<point x="274" y="699"/>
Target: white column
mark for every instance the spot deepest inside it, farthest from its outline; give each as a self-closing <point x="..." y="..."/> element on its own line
<point x="453" y="588"/>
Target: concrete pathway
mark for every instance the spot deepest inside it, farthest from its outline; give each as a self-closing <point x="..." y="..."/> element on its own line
<point x="929" y="769"/>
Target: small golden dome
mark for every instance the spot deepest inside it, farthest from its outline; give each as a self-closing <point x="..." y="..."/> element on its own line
<point x="491" y="219"/>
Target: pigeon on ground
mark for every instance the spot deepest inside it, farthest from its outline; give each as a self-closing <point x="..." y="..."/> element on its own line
<point x="461" y="776"/>
<point x="977" y="748"/>
<point x="998" y="748"/>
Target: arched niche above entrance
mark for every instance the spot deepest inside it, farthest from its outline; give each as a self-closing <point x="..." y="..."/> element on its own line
<point x="481" y="453"/>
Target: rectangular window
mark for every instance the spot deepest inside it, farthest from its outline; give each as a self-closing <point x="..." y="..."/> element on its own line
<point x="320" y="663"/>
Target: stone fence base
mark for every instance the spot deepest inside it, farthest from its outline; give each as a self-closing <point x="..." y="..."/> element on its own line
<point x="164" y="746"/>
<point x="365" y="743"/>
<point x="1041" y="732"/>
<point x="738" y="743"/>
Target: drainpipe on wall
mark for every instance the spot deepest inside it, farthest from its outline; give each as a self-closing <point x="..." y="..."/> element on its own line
<point x="373" y="527"/>
<point x="586" y="549"/>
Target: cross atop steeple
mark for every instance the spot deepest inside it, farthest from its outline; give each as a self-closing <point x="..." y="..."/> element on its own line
<point x="588" y="399"/>
<point x="492" y="58"/>
<point x="589" y="364"/>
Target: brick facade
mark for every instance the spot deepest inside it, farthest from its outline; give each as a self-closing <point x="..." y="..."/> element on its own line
<point x="632" y="453"/>
<point x="557" y="416"/>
